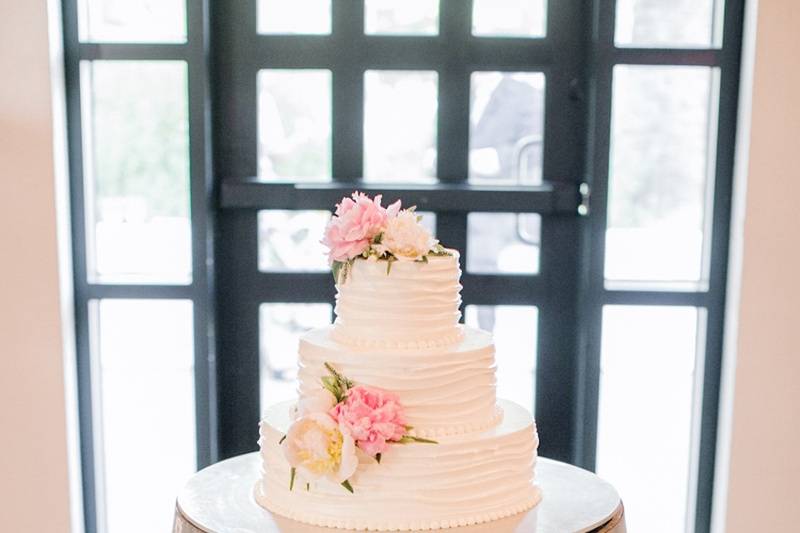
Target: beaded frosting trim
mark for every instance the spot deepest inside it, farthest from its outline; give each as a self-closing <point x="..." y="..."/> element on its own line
<point x="438" y="342"/>
<point x="459" y="429"/>
<point x="376" y="524"/>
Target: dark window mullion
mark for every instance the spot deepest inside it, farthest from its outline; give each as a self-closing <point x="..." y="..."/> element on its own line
<point x="593" y="238"/>
<point x="452" y="145"/>
<point x="347" y="91"/>
<point x="72" y="74"/>
<point x="665" y="56"/>
<point x="456" y="196"/>
<point x="651" y="297"/>
<point x="134" y="51"/>
<point x="236" y="59"/>
<point x="201" y="198"/>
<point x="557" y="391"/>
<point x="503" y="289"/>
<point x="452" y="125"/>
<point x="134" y="291"/>
<point x="718" y="268"/>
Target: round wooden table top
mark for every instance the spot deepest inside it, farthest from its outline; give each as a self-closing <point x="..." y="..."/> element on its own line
<point x="219" y="499"/>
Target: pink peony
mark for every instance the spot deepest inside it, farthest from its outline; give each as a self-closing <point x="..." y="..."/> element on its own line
<point x="373" y="417"/>
<point x="356" y="222"/>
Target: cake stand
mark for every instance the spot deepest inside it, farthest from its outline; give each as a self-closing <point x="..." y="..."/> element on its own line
<point x="219" y="499"/>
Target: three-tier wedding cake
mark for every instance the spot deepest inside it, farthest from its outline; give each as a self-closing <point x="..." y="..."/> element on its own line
<point x="397" y="425"/>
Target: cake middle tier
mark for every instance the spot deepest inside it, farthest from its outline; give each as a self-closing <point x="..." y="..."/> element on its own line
<point x="444" y="391"/>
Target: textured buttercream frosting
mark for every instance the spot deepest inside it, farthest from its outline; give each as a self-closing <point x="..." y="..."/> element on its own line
<point x="415" y="304"/>
<point x="399" y="331"/>
<point x="443" y="391"/>
<point x="463" y="480"/>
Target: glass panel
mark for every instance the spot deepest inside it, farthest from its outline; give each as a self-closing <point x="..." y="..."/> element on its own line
<point x="506" y="127"/>
<point x="401" y="17"/>
<point x="143" y="363"/>
<point x="662" y="138"/>
<point x="294" y="125"/>
<point x="289" y="241"/>
<point x="673" y="24"/>
<point x="137" y="168"/>
<point x="132" y="21"/>
<point x="515" y="328"/>
<point x="400" y="125"/>
<point x="509" y="18"/>
<point x="647" y="381"/>
<point x="295" y="17"/>
<point x="281" y="326"/>
<point x="503" y="243"/>
<point x="428" y="221"/>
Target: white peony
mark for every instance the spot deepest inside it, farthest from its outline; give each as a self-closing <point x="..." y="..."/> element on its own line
<point x="405" y="238"/>
<point x="318" y="448"/>
<point x="317" y="401"/>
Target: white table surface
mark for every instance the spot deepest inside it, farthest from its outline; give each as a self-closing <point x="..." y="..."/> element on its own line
<point x="219" y="499"/>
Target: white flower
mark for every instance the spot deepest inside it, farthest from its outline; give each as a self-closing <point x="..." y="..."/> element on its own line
<point x="405" y="238"/>
<point x="317" y="447"/>
<point x="318" y="401"/>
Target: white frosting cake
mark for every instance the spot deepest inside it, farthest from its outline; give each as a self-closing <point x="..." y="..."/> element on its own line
<point x="399" y="332"/>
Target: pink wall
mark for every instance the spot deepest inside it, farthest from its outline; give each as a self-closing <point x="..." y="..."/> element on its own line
<point x="34" y="488"/>
<point x="765" y="419"/>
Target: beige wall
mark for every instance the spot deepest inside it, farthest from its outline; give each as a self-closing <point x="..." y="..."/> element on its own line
<point x="765" y="424"/>
<point x="34" y="493"/>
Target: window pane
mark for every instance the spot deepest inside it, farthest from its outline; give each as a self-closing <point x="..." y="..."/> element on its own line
<point x="297" y="16"/>
<point x="294" y="125"/>
<point x="503" y="243"/>
<point x="281" y="326"/>
<point x="673" y="24"/>
<point x="137" y="170"/>
<point x="647" y="384"/>
<point x="400" y="125"/>
<point x="289" y="241"/>
<point x="506" y="127"/>
<point x="509" y="18"/>
<point x="133" y="21"/>
<point x="401" y="17"/>
<point x="662" y="135"/>
<point x="514" y="328"/>
<point x="428" y="221"/>
<point x="143" y="367"/>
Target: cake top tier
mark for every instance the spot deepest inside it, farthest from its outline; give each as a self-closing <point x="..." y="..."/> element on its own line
<point x="397" y="286"/>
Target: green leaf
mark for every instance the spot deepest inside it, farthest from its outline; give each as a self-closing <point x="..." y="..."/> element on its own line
<point x="378" y="238"/>
<point x="342" y="382"/>
<point x="389" y="260"/>
<point x="336" y="269"/>
<point x="346" y="484"/>
<point x="408" y="439"/>
<point x="378" y="458"/>
<point x="291" y="479"/>
<point x="332" y="385"/>
<point x="409" y="428"/>
<point x="282" y="439"/>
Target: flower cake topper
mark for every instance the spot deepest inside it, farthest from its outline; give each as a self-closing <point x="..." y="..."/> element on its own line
<point x="362" y="228"/>
<point x="337" y="419"/>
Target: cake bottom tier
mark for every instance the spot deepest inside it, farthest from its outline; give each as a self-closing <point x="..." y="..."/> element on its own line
<point x="462" y="480"/>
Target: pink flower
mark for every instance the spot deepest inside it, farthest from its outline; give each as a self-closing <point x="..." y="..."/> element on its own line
<point x="356" y="222"/>
<point x="373" y="417"/>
